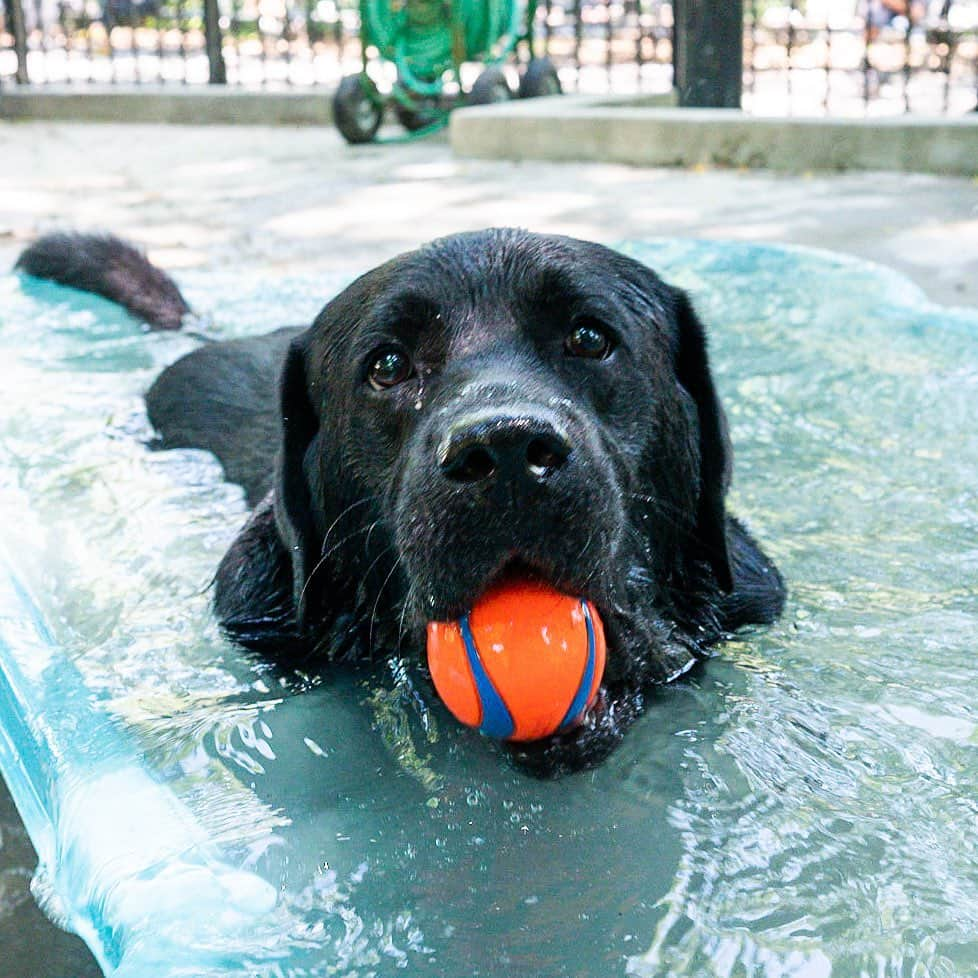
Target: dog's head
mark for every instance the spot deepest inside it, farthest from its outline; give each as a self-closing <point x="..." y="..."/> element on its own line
<point x="502" y="403"/>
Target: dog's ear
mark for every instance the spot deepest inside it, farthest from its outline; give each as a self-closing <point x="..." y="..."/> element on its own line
<point x="297" y="472"/>
<point x="693" y="373"/>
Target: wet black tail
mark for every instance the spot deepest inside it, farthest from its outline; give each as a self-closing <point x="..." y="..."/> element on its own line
<point x="111" y="268"/>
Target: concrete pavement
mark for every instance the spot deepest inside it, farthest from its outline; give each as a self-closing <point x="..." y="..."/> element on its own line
<point x="641" y="131"/>
<point x="299" y="200"/>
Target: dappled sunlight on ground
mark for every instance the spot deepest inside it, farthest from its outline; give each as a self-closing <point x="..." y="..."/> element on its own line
<point x="299" y="199"/>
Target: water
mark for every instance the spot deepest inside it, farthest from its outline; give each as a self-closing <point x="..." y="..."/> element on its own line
<point x="804" y="805"/>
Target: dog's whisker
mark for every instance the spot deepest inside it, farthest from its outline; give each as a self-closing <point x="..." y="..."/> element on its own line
<point x="642" y="498"/>
<point x="373" y="612"/>
<point x="373" y="563"/>
<point x="408" y="598"/>
<point x="347" y="511"/>
<point x="339" y="543"/>
<point x="665" y="510"/>
<point x="327" y="554"/>
<point x="370" y="532"/>
<point x="660" y="506"/>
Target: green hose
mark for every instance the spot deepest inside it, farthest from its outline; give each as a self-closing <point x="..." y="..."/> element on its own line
<point x="427" y="38"/>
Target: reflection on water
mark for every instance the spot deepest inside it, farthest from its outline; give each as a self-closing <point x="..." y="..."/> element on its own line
<point x="804" y="805"/>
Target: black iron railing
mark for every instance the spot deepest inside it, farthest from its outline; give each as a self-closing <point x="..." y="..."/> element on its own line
<point x="823" y="56"/>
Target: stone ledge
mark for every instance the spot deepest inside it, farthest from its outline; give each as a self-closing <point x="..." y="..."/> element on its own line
<point x="634" y="130"/>
<point x="177" y="104"/>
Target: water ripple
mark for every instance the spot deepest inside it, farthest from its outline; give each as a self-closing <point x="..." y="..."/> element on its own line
<point x="802" y="806"/>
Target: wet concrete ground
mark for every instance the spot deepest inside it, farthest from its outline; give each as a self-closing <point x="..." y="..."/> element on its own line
<point x="300" y="201"/>
<point x="30" y="946"/>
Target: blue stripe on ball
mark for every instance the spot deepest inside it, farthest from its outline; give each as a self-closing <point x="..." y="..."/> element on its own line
<point x="496" y="719"/>
<point x="580" y="699"/>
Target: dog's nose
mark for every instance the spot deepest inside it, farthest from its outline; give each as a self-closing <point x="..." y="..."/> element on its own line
<point x="517" y="445"/>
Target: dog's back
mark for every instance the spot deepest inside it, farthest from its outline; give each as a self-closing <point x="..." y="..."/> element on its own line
<point x="221" y="397"/>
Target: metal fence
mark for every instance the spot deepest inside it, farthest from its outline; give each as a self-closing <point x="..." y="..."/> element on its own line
<point x="820" y="56"/>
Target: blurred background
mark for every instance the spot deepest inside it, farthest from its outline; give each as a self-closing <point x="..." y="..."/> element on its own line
<point x="837" y="57"/>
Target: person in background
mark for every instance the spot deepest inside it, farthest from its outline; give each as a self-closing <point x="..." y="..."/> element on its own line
<point x="882" y="13"/>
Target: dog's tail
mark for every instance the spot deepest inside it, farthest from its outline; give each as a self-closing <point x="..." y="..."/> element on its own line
<point x="109" y="267"/>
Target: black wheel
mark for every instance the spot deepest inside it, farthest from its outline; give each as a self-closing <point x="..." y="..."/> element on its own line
<point x="540" y="78"/>
<point x="357" y="109"/>
<point x="491" y="86"/>
<point x="419" y="115"/>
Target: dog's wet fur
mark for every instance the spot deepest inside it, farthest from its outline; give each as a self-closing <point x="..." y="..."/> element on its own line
<point x="495" y="404"/>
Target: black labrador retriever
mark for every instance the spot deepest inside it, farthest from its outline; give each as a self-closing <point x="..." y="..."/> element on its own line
<point x="494" y="404"/>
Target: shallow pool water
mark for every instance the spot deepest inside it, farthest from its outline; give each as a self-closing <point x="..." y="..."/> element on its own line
<point x="804" y="805"/>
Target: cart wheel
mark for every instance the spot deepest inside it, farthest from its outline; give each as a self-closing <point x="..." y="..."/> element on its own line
<point x="357" y="109"/>
<point x="421" y="114"/>
<point x="491" y="86"/>
<point x="540" y="78"/>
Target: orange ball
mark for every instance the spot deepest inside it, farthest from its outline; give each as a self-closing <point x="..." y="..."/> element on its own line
<point x="525" y="663"/>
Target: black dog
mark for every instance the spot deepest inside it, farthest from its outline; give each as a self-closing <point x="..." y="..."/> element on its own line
<point x="496" y="403"/>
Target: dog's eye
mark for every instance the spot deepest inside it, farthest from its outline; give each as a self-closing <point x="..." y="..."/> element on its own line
<point x="388" y="368"/>
<point x="588" y="339"/>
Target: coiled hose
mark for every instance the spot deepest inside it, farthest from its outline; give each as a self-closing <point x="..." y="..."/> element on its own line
<point x="426" y="38"/>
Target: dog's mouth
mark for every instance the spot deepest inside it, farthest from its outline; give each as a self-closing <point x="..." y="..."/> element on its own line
<point x="491" y="658"/>
<point x="519" y="570"/>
